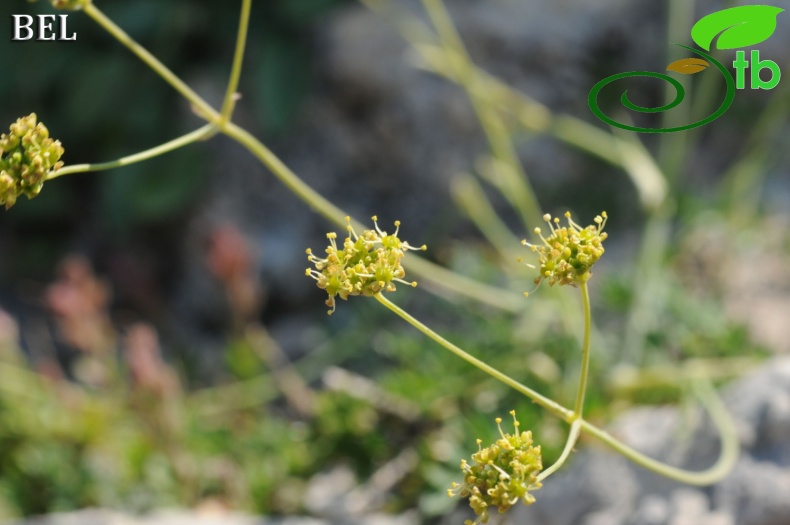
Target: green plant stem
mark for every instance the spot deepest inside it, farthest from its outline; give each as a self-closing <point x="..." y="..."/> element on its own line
<point x="721" y="420"/>
<point x="578" y="406"/>
<point x="174" y="144"/>
<point x="269" y="159"/>
<point x="317" y="201"/>
<point x="203" y="108"/>
<point x="238" y="58"/>
<point x="573" y="436"/>
<point x="550" y="405"/>
<point x="705" y="392"/>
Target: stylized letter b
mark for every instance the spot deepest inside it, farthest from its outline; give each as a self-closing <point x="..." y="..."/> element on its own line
<point x="19" y="26"/>
<point x="757" y="66"/>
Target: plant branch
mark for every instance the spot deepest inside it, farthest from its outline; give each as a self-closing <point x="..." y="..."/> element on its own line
<point x="727" y="434"/>
<point x="578" y="406"/>
<point x="573" y="436"/>
<point x="550" y="405"/>
<point x="238" y="58"/>
<point x="167" y="147"/>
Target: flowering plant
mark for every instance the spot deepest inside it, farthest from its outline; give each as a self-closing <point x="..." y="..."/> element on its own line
<point x="370" y="263"/>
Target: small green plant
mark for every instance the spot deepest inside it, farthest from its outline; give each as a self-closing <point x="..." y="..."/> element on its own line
<point x="370" y="264"/>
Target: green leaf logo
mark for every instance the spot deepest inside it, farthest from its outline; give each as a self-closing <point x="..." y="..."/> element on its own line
<point x="739" y="26"/>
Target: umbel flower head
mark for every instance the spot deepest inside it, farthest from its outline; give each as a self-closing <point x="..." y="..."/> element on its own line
<point x="500" y="475"/>
<point x="27" y="156"/>
<point x="569" y="253"/>
<point x="364" y="265"/>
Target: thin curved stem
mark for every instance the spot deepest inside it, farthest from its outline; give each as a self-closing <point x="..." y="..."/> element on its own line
<point x="167" y="147"/>
<point x="727" y="434"/>
<point x="705" y="392"/>
<point x="238" y="58"/>
<point x="203" y="107"/>
<point x="578" y="406"/>
<point x="573" y="436"/>
<point x="550" y="405"/>
<point x="317" y="201"/>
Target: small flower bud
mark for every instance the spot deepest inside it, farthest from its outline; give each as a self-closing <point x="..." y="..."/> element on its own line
<point x="568" y="254"/>
<point x="502" y="474"/>
<point x="27" y="157"/>
<point x="364" y="265"/>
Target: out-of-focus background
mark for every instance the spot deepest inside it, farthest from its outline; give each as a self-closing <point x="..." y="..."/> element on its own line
<point x="160" y="347"/>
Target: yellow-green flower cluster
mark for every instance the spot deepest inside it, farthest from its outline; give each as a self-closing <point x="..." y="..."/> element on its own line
<point x="569" y="253"/>
<point x="501" y="475"/>
<point x="364" y="265"/>
<point x="27" y="156"/>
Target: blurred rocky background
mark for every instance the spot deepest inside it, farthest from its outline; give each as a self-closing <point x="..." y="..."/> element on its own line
<point x="159" y="344"/>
